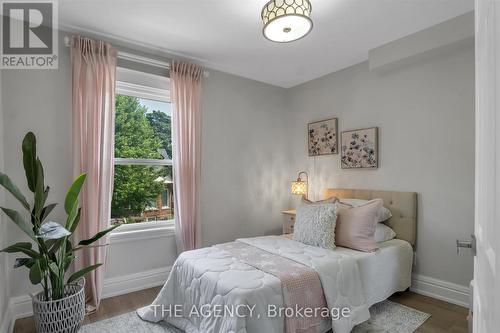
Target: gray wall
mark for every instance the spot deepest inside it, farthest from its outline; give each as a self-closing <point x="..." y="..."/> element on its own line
<point x="4" y="277"/>
<point x="38" y="101"/>
<point x="244" y="165"/>
<point x="425" y="114"/>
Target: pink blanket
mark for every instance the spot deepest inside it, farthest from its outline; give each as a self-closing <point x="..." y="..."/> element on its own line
<point x="300" y="284"/>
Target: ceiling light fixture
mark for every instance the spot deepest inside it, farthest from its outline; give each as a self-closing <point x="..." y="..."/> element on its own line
<point x="286" y="20"/>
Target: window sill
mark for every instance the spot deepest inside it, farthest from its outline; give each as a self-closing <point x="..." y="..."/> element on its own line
<point x="142" y="231"/>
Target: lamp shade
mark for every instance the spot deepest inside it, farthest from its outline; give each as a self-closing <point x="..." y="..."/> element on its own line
<point x="299" y="187"/>
<point x="286" y="20"/>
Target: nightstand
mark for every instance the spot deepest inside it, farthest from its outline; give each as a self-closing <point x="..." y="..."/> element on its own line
<point x="289" y="221"/>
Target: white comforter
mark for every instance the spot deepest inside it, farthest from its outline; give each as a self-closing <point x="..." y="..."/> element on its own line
<point x="210" y="276"/>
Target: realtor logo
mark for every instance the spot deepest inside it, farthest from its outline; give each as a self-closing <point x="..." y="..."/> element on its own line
<point x="29" y="34"/>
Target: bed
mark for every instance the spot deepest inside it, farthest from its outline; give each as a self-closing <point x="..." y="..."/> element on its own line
<point x="217" y="281"/>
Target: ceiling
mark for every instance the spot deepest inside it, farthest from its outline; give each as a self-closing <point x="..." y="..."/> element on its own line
<point x="227" y="34"/>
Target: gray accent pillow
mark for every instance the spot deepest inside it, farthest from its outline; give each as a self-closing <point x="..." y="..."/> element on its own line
<point x="315" y="224"/>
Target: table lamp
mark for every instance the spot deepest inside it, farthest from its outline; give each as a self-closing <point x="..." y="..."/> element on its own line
<point x="299" y="186"/>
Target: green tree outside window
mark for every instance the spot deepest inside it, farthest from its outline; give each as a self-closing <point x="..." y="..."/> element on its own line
<point x="139" y="133"/>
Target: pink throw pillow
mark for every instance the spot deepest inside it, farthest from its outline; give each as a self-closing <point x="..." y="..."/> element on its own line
<point x="356" y="226"/>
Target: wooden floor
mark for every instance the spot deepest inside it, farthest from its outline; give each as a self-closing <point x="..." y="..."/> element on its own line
<point x="445" y="317"/>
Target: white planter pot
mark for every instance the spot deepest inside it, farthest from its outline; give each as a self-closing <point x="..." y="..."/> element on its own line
<point x="63" y="315"/>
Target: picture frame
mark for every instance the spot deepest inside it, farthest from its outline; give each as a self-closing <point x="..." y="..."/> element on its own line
<point x="359" y="149"/>
<point x="322" y="137"/>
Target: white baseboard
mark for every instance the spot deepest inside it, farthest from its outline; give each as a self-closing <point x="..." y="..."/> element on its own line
<point x="442" y="290"/>
<point x="134" y="282"/>
<point x="21" y="305"/>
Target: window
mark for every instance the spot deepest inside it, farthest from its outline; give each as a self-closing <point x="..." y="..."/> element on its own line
<point x="165" y="198"/>
<point x="143" y="185"/>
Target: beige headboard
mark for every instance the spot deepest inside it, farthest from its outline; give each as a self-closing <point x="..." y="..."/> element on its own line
<point x="403" y="206"/>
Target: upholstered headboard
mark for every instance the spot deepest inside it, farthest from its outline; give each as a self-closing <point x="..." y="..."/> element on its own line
<point x="403" y="206"/>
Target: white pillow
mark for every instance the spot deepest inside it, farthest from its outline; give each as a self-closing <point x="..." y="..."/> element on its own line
<point x="383" y="214"/>
<point x="383" y="233"/>
<point x="315" y="224"/>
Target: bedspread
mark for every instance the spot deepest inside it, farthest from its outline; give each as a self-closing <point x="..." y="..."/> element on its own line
<point x="300" y="285"/>
<point x="237" y="296"/>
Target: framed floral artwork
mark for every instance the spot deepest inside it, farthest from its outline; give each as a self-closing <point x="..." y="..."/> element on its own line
<point x="323" y="137"/>
<point x="360" y="149"/>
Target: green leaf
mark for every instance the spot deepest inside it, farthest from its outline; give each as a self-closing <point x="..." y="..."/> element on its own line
<point x="17" y="219"/>
<point x="20" y="262"/>
<point x="13" y="189"/>
<point x="46" y="193"/>
<point x="53" y="245"/>
<point x="39" y="188"/>
<point x="36" y="272"/>
<point x="73" y="192"/>
<point x="29" y="159"/>
<point x="68" y="260"/>
<point x="24" y="247"/>
<point x="73" y="219"/>
<point x="82" y="272"/>
<point x="30" y="263"/>
<point x="33" y="220"/>
<point x="46" y="211"/>
<point x="97" y="236"/>
<point x="53" y="268"/>
<point x="69" y="247"/>
<point x="78" y="248"/>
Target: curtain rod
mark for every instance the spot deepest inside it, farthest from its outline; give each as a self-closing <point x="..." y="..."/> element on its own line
<point x="139" y="59"/>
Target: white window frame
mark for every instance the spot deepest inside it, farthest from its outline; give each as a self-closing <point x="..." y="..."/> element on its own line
<point x="151" y="93"/>
<point x="165" y="206"/>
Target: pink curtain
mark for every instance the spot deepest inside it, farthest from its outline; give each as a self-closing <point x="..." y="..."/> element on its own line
<point x="94" y="70"/>
<point x="186" y="134"/>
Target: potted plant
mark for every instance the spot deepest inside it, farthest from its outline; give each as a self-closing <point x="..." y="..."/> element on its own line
<point x="60" y="306"/>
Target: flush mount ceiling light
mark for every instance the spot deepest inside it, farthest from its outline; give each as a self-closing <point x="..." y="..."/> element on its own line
<point x="286" y="20"/>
